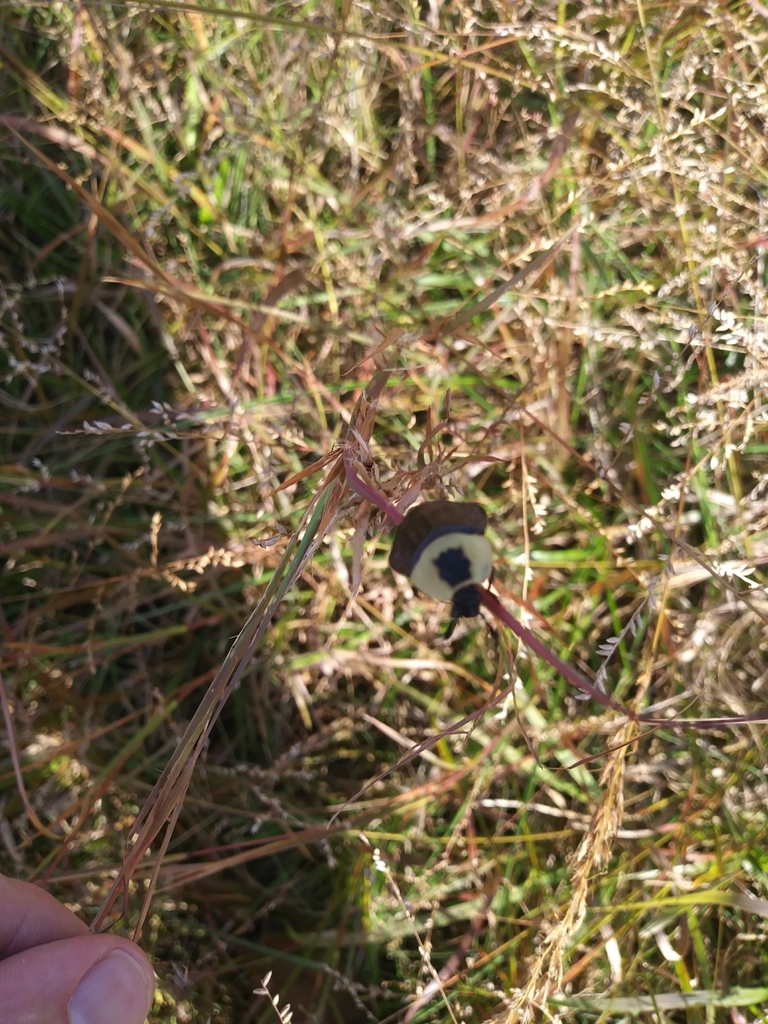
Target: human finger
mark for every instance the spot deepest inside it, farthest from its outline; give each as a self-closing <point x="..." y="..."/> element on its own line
<point x="87" y="979"/>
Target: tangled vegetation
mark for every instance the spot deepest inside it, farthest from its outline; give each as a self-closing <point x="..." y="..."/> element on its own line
<point x="267" y="269"/>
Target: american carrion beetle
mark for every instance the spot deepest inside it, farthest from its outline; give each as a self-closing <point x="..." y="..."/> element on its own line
<point x="442" y="547"/>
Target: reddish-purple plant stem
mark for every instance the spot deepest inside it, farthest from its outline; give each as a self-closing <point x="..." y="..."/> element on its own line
<point x="496" y="608"/>
<point x="575" y="677"/>
<point x="368" y="491"/>
<point x="572" y="675"/>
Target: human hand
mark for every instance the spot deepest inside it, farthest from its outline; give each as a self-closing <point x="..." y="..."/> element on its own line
<point x="53" y="971"/>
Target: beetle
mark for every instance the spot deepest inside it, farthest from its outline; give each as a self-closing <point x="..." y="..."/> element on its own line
<point x="442" y="546"/>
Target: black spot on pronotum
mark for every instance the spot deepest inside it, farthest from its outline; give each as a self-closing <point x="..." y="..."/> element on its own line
<point x="453" y="566"/>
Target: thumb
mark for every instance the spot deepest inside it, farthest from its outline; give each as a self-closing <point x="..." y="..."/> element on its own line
<point x="87" y="979"/>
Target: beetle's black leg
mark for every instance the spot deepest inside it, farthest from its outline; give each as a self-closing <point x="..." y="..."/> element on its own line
<point x="491" y="629"/>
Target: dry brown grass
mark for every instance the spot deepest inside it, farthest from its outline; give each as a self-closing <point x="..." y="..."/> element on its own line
<point x="216" y="232"/>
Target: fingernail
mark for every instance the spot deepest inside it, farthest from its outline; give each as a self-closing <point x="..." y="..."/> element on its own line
<point x="116" y="990"/>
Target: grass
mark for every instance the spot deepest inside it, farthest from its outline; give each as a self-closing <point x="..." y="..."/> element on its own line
<point x="226" y="237"/>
